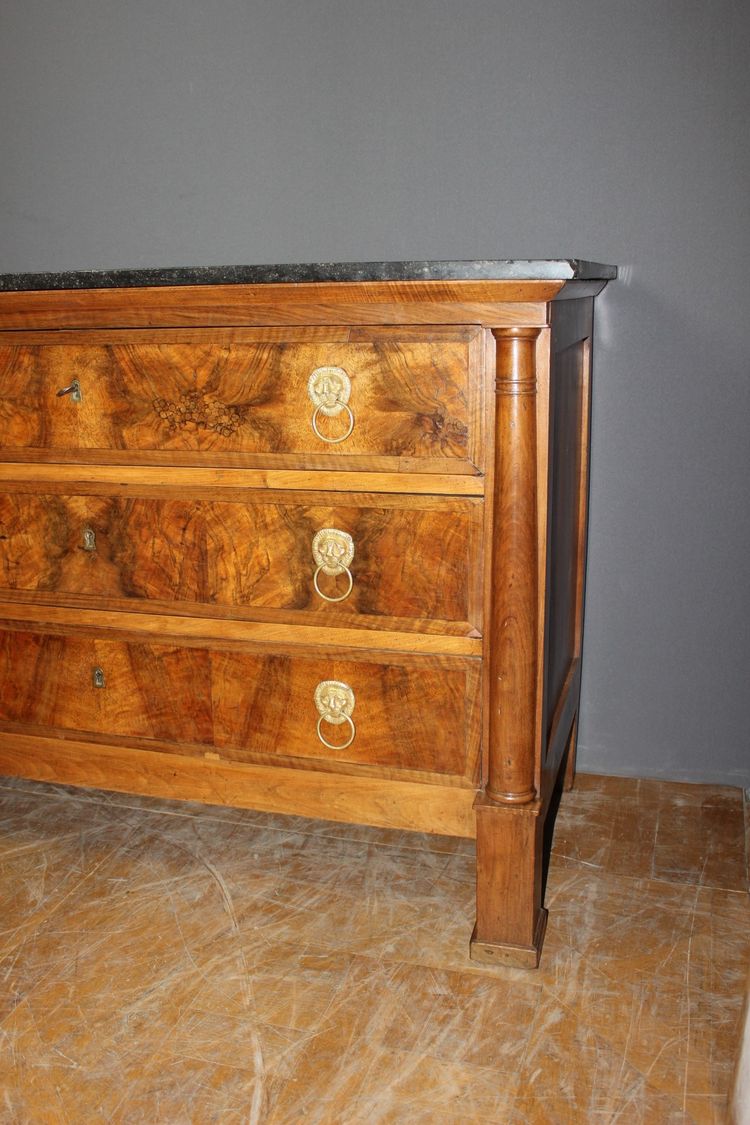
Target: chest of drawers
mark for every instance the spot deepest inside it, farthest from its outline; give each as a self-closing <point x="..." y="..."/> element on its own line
<point x="307" y="540"/>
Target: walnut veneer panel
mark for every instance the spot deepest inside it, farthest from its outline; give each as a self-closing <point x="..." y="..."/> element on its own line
<point x="411" y="397"/>
<point x="414" y="558"/>
<point x="407" y="717"/>
<point x="411" y="714"/>
<point x="149" y="691"/>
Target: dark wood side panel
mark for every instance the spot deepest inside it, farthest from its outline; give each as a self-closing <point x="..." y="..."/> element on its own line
<point x="568" y="488"/>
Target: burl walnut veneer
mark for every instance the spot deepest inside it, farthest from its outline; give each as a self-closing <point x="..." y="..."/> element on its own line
<point x="304" y="539"/>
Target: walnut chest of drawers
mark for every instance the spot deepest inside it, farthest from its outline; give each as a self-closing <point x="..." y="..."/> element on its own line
<point x="305" y="539"/>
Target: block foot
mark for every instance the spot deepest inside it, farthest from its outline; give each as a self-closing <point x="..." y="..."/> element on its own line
<point x="514" y="956"/>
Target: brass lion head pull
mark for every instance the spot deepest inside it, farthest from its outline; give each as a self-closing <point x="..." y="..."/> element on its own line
<point x="334" y="701"/>
<point x="329" y="389"/>
<point x="333" y="551"/>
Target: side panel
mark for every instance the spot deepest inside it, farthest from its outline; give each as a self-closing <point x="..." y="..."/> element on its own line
<point x="566" y="526"/>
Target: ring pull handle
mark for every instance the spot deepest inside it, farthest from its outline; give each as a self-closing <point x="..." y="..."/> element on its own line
<point x="74" y="390"/>
<point x="333" y="440"/>
<point x="329" y="389"/>
<point x="333" y="551"/>
<point x="334" y="701"/>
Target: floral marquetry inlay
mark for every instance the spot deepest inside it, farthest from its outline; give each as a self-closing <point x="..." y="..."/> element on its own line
<point x="194" y="410"/>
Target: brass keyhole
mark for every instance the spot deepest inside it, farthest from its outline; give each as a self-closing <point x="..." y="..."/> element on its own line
<point x="74" y="390"/>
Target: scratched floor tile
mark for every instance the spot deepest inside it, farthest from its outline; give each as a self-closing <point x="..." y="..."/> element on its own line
<point x="175" y="963"/>
<point x="358" y="1082"/>
<point x="667" y="831"/>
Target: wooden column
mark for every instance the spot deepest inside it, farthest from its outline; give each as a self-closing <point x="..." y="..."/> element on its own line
<point x="510" y="919"/>
<point x="514" y="625"/>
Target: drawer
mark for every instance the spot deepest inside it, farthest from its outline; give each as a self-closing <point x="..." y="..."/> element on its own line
<point x="147" y="691"/>
<point x="366" y="398"/>
<point x="382" y="713"/>
<point x="401" y="562"/>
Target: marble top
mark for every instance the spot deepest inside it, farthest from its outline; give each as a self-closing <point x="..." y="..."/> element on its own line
<point x="562" y="269"/>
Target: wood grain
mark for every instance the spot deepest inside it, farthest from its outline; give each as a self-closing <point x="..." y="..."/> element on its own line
<point x="47" y="681"/>
<point x="85" y="473"/>
<point x="247" y="705"/>
<point x="510" y="825"/>
<point x="405" y="718"/>
<point x="510" y="918"/>
<point x="413" y="559"/>
<point x="191" y="629"/>
<point x="411" y="398"/>
<point x="512" y="750"/>
<point x="385" y="803"/>
<point x="429" y="302"/>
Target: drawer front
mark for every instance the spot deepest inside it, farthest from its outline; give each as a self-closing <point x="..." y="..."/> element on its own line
<point x="410" y="561"/>
<point x="404" y="714"/>
<point x="406" y="397"/>
<point x="144" y="691"/>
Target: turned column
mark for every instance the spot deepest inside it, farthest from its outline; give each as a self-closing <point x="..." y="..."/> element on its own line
<point x="510" y="918"/>
<point x="513" y="630"/>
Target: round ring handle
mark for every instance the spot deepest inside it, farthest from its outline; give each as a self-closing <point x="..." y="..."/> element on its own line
<point x="343" y="745"/>
<point x="333" y="440"/>
<point x="342" y="597"/>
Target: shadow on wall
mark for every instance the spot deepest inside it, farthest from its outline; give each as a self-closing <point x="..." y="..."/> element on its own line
<point x="665" y="653"/>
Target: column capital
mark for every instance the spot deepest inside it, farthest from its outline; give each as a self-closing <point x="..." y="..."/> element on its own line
<point x="515" y="371"/>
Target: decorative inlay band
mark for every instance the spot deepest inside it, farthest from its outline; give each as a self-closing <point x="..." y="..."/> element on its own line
<point x="193" y="410"/>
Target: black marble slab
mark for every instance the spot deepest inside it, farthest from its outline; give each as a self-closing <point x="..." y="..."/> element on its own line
<point x="563" y="269"/>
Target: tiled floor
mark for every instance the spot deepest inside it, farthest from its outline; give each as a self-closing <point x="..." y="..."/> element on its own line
<point x="166" y="963"/>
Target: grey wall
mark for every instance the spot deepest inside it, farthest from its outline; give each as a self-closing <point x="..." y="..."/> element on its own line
<point x="191" y="132"/>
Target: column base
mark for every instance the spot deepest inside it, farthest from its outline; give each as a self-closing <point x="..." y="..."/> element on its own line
<point x="515" y="956"/>
<point x="510" y="917"/>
